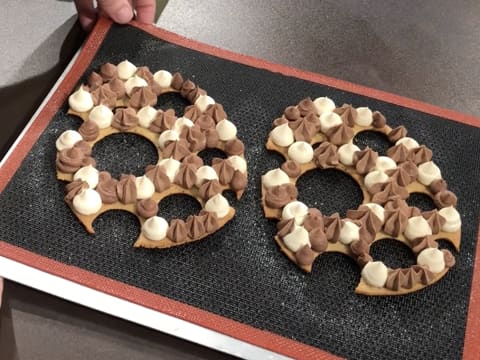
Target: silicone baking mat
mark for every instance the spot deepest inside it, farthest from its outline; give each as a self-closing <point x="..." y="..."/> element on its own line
<point x="236" y="281"/>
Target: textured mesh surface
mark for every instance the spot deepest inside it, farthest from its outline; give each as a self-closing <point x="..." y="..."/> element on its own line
<point x="239" y="272"/>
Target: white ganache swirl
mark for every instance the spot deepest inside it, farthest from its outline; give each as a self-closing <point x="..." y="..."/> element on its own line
<point x="453" y="221"/>
<point x="144" y="186"/>
<point x="203" y="101"/>
<point x="375" y="273"/>
<point x="171" y="167"/>
<point x="146" y="115"/>
<point x="428" y="172"/>
<point x="81" y="100"/>
<point x="126" y="70"/>
<point x="205" y="173"/>
<point x="102" y="116"/>
<point x="88" y="174"/>
<point x="417" y="227"/>
<point x="155" y="228"/>
<point x="218" y="204"/>
<point x="364" y="116"/>
<point x="163" y="78"/>
<point x="133" y="82"/>
<point x="329" y="120"/>
<point x="323" y="105"/>
<point x="282" y="135"/>
<point x="349" y="232"/>
<point x="226" y="130"/>
<point x="346" y="152"/>
<point x="433" y="259"/>
<point x="275" y="177"/>
<point x="238" y="163"/>
<point x="87" y="202"/>
<point x="296" y="210"/>
<point x="301" y="152"/>
<point x="67" y="139"/>
<point x="297" y="239"/>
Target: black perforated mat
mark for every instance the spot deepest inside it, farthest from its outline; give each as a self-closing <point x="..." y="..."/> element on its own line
<point x="239" y="272"/>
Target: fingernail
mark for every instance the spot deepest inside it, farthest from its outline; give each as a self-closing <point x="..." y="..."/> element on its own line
<point x="124" y="14"/>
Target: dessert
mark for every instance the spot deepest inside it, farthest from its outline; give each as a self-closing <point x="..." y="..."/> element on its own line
<point x="319" y="135"/>
<point x="121" y="98"/>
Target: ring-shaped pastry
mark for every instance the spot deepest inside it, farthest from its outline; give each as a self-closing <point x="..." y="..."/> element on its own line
<point x="386" y="182"/>
<point x="121" y="99"/>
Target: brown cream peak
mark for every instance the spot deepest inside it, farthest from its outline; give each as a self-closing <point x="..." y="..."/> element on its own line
<point x="277" y="197"/>
<point x="177" y="231"/>
<point x="146" y="208"/>
<point x="186" y="176"/>
<point x="340" y="134"/>
<point x="291" y="168"/>
<point x="333" y="225"/>
<point x="107" y="188"/>
<point x="325" y="155"/>
<point x="435" y="220"/>
<point x="291" y="113"/>
<point x="158" y="175"/>
<point x="118" y="87"/>
<point x="126" y="189"/>
<point x="348" y="114"/>
<point x="105" y="96"/>
<point x="142" y="96"/>
<point x="176" y="149"/>
<point x="125" y="119"/>
<point x="74" y="188"/>
<point x="306" y="106"/>
<point x="364" y="160"/>
<point x="89" y="130"/>
<point x="305" y="256"/>
<point x="445" y="198"/>
<point x="163" y="121"/>
<point x="379" y="120"/>
<point x="397" y="133"/>
<point x="223" y="169"/>
<point x="108" y="71"/>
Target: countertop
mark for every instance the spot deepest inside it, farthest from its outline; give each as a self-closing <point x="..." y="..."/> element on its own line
<point x="427" y="50"/>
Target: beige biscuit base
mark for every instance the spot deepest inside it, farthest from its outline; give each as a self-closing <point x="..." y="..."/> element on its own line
<point x="364" y="289"/>
<point x="414" y="187"/>
<point x="142" y="241"/>
<point x="88" y="220"/>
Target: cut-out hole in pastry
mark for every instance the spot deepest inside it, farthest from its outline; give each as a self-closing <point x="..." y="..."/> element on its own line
<point x="374" y="140"/>
<point x="386" y="180"/>
<point x="179" y="206"/>
<point x="172" y="101"/>
<point x="119" y="101"/>
<point x="329" y="190"/>
<point x="393" y="253"/>
<point x="122" y="227"/>
<point x="208" y="155"/>
<point x="422" y="201"/>
<point x="124" y="153"/>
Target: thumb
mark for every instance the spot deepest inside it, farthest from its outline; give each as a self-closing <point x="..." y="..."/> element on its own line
<point x="119" y="11"/>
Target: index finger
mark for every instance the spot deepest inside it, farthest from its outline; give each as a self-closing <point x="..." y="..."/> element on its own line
<point x="145" y="10"/>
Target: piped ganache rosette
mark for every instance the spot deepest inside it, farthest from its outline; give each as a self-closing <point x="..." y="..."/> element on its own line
<point x="319" y="135"/>
<point x="121" y="99"/>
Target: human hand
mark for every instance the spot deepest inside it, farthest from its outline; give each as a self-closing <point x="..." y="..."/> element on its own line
<point x="1" y="291"/>
<point x="120" y="11"/>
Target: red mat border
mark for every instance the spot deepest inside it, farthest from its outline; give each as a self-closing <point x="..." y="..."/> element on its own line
<point x="249" y="334"/>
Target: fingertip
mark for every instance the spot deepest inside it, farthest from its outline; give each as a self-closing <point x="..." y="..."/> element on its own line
<point x="123" y="15"/>
<point x="145" y="11"/>
<point x="145" y="17"/>
<point x="86" y="23"/>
